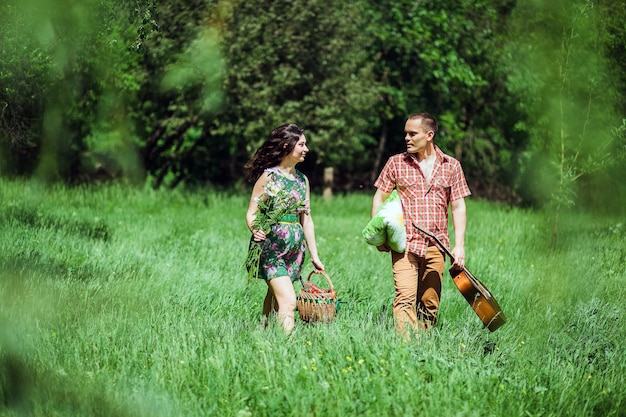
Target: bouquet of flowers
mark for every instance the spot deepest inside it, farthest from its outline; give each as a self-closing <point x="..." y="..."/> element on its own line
<point x="274" y="203"/>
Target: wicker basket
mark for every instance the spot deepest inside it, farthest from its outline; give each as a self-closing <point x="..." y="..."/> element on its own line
<point x="317" y="304"/>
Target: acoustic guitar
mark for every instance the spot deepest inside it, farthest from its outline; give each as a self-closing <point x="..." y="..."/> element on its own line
<point x="474" y="291"/>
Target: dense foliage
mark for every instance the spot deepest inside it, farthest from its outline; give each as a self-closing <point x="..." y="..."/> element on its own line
<point x="183" y="91"/>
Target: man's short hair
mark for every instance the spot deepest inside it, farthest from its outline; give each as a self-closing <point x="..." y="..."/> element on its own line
<point x="428" y="121"/>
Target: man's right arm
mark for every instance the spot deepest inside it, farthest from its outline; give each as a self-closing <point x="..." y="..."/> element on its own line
<point x="379" y="199"/>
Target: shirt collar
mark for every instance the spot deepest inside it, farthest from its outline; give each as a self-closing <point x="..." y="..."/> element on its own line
<point x="412" y="157"/>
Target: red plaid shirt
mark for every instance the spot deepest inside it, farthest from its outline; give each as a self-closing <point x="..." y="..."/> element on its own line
<point x="424" y="203"/>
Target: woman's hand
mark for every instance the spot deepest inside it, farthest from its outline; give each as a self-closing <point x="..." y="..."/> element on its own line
<point x="318" y="264"/>
<point x="258" y="235"/>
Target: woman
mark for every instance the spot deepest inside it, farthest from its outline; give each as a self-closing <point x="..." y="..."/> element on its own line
<point x="273" y="166"/>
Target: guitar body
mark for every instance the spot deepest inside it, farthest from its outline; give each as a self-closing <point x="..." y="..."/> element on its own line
<point x="476" y="294"/>
<point x="479" y="298"/>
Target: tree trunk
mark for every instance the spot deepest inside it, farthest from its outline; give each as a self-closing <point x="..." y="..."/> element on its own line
<point x="382" y="142"/>
<point x="329" y="179"/>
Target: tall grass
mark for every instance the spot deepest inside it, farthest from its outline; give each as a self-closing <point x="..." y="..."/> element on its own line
<point x="118" y="301"/>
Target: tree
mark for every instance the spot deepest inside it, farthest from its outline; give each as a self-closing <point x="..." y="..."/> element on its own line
<point x="23" y="89"/>
<point x="74" y="88"/>
<point x="564" y="80"/>
<point x="181" y="91"/>
<point x="445" y="58"/>
<point x="184" y="91"/>
<point x="301" y="61"/>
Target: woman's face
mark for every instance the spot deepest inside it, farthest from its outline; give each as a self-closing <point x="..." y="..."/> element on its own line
<point x="300" y="150"/>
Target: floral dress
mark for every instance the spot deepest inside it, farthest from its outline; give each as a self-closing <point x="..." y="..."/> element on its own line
<point x="284" y="247"/>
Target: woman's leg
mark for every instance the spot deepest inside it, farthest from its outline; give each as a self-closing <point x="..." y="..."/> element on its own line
<point x="283" y="292"/>
<point x="269" y="306"/>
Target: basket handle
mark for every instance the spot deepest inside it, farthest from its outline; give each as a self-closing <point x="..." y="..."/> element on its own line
<point x="317" y="271"/>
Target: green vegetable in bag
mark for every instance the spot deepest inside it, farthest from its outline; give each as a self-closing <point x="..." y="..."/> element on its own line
<point x="387" y="225"/>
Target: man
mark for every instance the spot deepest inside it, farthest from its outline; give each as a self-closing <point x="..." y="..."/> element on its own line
<point x="428" y="181"/>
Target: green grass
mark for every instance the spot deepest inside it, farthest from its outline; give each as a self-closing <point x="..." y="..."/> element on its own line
<point x="117" y="301"/>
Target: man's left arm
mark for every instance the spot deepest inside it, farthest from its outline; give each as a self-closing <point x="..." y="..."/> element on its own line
<point x="458" y="219"/>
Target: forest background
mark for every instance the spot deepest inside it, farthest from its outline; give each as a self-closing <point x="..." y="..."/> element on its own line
<point x="529" y="95"/>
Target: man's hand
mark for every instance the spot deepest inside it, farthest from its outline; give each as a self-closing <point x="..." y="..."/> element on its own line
<point x="383" y="248"/>
<point x="458" y="253"/>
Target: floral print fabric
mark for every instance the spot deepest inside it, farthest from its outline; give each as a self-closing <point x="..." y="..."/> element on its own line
<point x="284" y="247"/>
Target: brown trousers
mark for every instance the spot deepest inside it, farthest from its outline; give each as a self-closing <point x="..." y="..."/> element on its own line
<point x="418" y="289"/>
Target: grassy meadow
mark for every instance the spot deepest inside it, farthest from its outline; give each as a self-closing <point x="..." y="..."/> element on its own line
<point x="117" y="301"/>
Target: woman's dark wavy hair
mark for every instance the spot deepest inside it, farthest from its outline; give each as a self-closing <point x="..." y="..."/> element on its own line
<point x="279" y="144"/>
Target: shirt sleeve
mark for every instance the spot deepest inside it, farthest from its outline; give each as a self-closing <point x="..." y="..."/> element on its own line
<point x="459" y="184"/>
<point x="386" y="180"/>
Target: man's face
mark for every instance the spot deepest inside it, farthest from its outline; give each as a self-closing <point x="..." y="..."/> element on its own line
<point x="416" y="137"/>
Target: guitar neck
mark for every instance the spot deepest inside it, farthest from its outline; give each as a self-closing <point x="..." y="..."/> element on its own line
<point x="475" y="281"/>
<point x="437" y="241"/>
